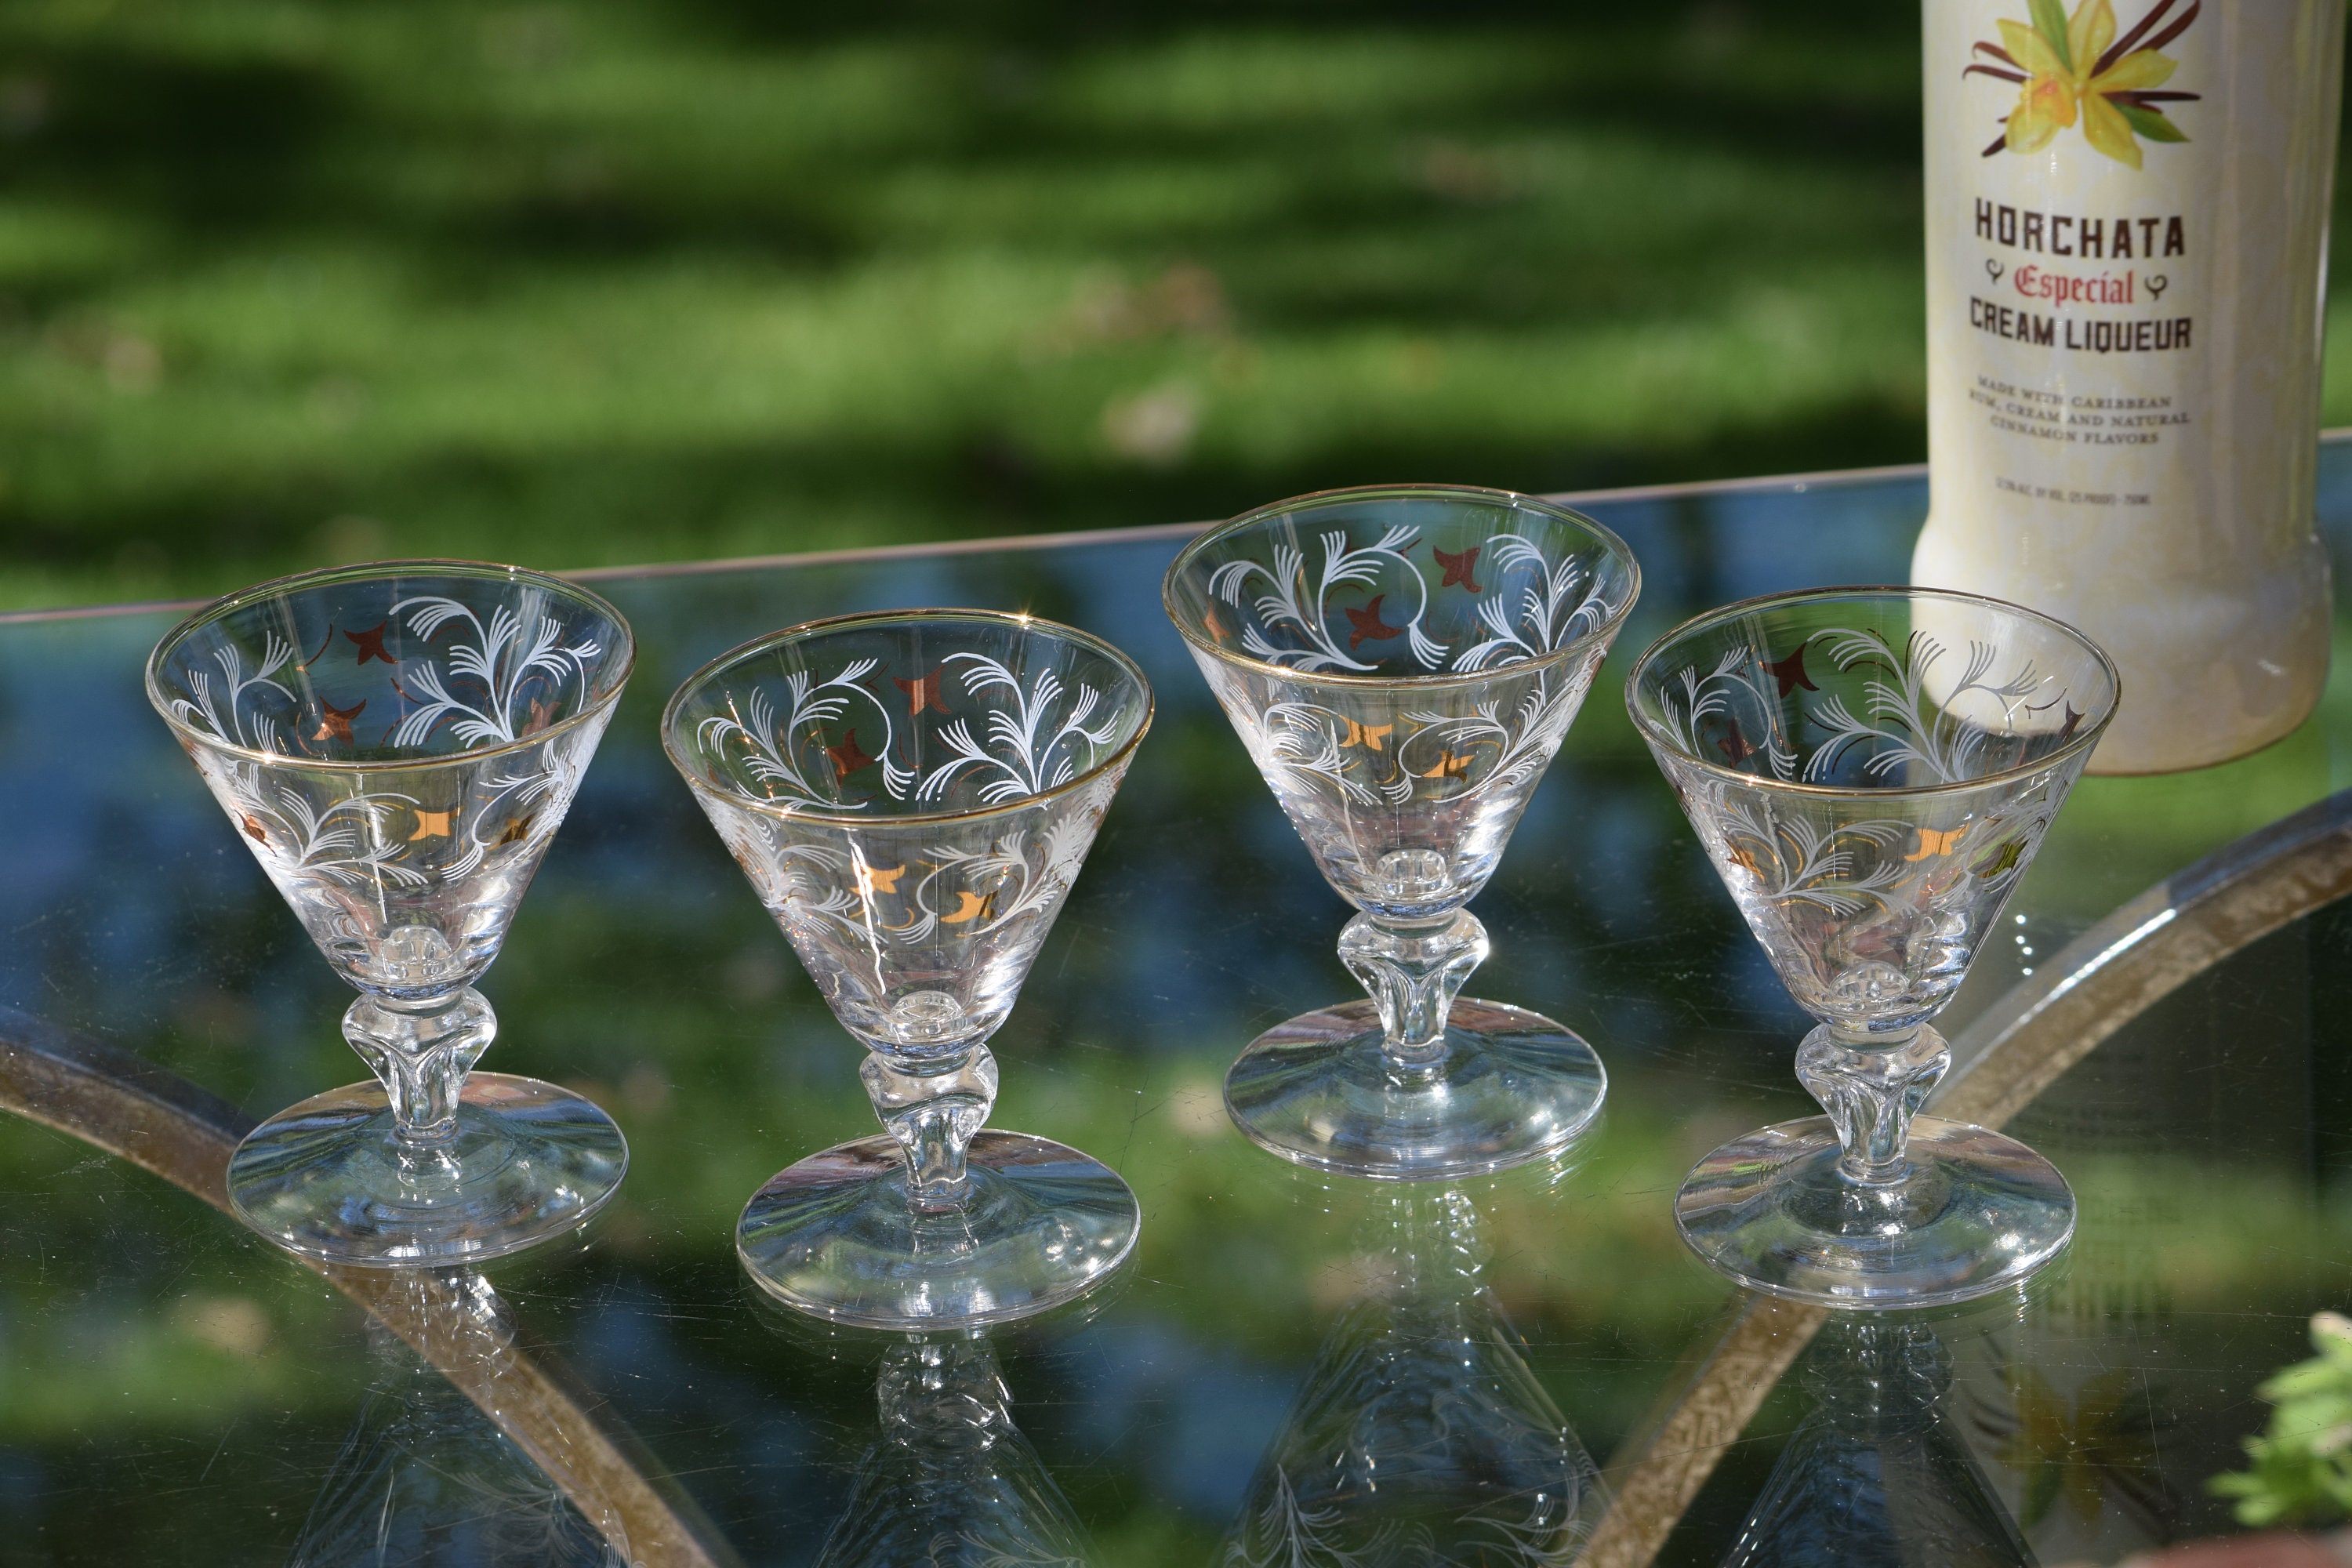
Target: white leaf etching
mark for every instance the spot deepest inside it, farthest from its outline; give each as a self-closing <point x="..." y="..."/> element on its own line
<point x="501" y="660"/>
<point x="1021" y="1554"/>
<point x="1898" y="719"/>
<point x="1691" y="699"/>
<point x="1798" y="860"/>
<point x="1563" y="601"/>
<point x="1873" y="918"/>
<point x="864" y="906"/>
<point x="222" y="712"/>
<point x="1739" y="709"/>
<point x="1534" y="607"/>
<point x="1287" y="599"/>
<point x="869" y="900"/>
<point x="1546" y="1528"/>
<point x="343" y="842"/>
<point x="1284" y="1533"/>
<point x="351" y="855"/>
<point x="1302" y="742"/>
<point x="1025" y="752"/>
<point x="772" y="752"/>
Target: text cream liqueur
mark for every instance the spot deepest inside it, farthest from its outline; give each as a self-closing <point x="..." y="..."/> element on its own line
<point x="2127" y="225"/>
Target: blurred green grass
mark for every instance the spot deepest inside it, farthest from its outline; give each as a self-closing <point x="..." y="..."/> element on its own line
<point x="284" y="283"/>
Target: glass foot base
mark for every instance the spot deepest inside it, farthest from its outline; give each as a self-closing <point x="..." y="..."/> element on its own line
<point x="1978" y="1214"/>
<point x="833" y="1235"/>
<point x="330" y="1178"/>
<point x="1513" y="1086"/>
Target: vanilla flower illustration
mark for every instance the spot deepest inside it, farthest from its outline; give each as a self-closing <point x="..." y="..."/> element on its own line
<point x="2070" y="68"/>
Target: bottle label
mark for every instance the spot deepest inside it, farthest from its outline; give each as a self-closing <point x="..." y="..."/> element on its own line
<point x="2070" y="253"/>
<point x="2127" y="208"/>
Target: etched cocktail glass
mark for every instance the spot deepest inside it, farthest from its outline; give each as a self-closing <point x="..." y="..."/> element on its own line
<point x="911" y="794"/>
<point x="396" y="744"/>
<point x="1871" y="771"/>
<point x="1403" y="663"/>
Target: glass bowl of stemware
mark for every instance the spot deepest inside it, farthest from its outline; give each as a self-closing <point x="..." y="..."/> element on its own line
<point x="1402" y="663"/>
<point x="396" y="744"/>
<point x="1871" y="771"/>
<point x="911" y="794"/>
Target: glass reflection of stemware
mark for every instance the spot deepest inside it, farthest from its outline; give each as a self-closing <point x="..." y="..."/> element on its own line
<point x="425" y="1477"/>
<point x="1420" y="1436"/>
<point x="1878" y="1474"/>
<point x="1403" y="665"/>
<point x="1871" y="771"/>
<point x="951" y="1481"/>
<point x="396" y="744"/>
<point x="912" y="796"/>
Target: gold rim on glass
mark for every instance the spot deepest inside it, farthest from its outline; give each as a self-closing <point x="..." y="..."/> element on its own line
<point x="421" y="566"/>
<point x="769" y="641"/>
<point x="1602" y="533"/>
<point x="1657" y="736"/>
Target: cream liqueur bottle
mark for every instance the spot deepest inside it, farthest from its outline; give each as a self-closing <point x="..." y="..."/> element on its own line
<point x="2126" y="228"/>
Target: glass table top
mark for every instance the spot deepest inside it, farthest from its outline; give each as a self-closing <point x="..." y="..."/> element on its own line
<point x="172" y="1390"/>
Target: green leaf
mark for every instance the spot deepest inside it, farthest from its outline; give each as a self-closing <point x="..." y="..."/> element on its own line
<point x="2049" y="21"/>
<point x="2041" y="1492"/>
<point x="2149" y="122"/>
<point x="2305" y="1379"/>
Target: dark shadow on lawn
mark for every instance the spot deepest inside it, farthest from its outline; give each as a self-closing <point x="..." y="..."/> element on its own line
<point x="1052" y="24"/>
<point x="234" y="147"/>
<point x="208" y="146"/>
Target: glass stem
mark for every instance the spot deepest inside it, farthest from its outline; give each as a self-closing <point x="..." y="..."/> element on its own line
<point x="933" y="1114"/>
<point x="1414" y="973"/>
<point x="421" y="1053"/>
<point x="1871" y="1086"/>
<point x="943" y="1391"/>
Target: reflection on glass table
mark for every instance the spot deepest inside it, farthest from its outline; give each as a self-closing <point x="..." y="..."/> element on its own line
<point x="1879" y="1475"/>
<point x="426" y="1478"/>
<point x="2167" y="1023"/>
<point x="1420" y="1434"/>
<point x="949" y="1480"/>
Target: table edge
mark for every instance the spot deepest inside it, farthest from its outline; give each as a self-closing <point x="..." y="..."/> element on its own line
<point x="1623" y="495"/>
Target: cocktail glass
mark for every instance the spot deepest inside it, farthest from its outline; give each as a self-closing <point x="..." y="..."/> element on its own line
<point x="396" y="744"/>
<point x="1402" y="664"/>
<point x="1871" y="771"/>
<point x="912" y="794"/>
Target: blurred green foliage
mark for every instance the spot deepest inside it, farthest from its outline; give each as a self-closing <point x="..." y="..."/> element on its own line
<point x="594" y="281"/>
<point x="2302" y="1471"/>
